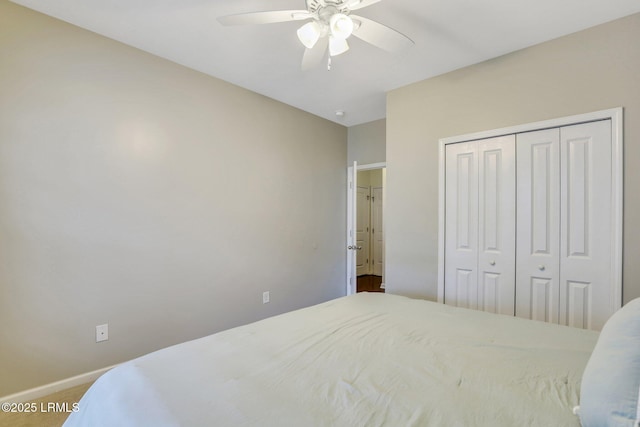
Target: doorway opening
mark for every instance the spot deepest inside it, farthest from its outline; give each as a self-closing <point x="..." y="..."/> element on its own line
<point x="369" y="231"/>
<point x="366" y="253"/>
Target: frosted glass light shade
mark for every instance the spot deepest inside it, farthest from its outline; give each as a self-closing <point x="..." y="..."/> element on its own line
<point x="337" y="46"/>
<point x="309" y="34"/>
<point x="341" y="26"/>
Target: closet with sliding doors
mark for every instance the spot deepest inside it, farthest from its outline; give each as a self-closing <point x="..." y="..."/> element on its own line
<point x="531" y="220"/>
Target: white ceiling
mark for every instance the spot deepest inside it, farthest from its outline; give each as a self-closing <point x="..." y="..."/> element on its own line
<point x="448" y="34"/>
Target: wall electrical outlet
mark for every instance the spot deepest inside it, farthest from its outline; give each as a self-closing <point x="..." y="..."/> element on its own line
<point x="102" y="332"/>
<point x="265" y="297"/>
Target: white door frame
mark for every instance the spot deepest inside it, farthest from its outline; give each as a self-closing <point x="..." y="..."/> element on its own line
<point x="352" y="182"/>
<point x="616" y="117"/>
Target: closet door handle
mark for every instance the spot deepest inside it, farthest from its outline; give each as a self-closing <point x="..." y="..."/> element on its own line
<point x="492" y="263"/>
<point x="541" y="267"/>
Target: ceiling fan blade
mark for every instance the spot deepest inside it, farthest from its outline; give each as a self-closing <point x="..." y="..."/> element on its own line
<point x="312" y="57"/>
<point x="359" y="4"/>
<point x="268" y="17"/>
<point x="379" y="35"/>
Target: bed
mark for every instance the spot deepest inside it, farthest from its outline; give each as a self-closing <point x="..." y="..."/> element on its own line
<point x="364" y="360"/>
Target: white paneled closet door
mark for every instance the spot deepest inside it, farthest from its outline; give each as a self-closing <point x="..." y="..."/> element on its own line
<point x="480" y="225"/>
<point x="363" y="194"/>
<point x="564" y="225"/>
<point x="497" y="225"/>
<point x="585" y="214"/>
<point x="461" y="210"/>
<point x="538" y="233"/>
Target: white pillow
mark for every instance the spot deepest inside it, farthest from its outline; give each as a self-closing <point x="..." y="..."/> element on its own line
<point x="611" y="380"/>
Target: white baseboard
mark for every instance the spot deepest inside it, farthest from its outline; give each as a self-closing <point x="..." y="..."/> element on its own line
<point x="38" y="392"/>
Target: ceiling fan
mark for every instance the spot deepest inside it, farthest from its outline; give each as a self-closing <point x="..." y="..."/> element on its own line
<point x="330" y="24"/>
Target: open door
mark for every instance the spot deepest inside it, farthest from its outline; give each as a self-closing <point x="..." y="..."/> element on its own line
<point x="352" y="247"/>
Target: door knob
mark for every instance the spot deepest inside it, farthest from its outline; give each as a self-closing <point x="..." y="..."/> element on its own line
<point x="492" y="262"/>
<point x="350" y="247"/>
<point x="541" y="267"/>
<point x="358" y="247"/>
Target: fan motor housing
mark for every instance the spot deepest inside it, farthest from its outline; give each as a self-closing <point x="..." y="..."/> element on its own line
<point x="330" y="6"/>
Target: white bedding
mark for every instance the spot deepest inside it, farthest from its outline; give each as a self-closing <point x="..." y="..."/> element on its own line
<point x="362" y="360"/>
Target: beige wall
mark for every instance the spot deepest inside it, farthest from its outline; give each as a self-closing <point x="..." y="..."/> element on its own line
<point x="367" y="143"/>
<point x="137" y="192"/>
<point x="370" y="178"/>
<point x="588" y="71"/>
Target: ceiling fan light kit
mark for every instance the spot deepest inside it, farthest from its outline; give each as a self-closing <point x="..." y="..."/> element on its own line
<point x="331" y="22"/>
<point x="337" y="46"/>
<point x="309" y="34"/>
<point x="341" y="26"/>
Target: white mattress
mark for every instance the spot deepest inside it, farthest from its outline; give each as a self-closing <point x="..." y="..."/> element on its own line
<point x="362" y="360"/>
